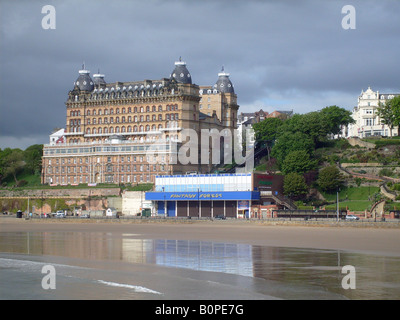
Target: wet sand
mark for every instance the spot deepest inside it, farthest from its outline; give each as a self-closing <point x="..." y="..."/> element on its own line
<point x="381" y="241"/>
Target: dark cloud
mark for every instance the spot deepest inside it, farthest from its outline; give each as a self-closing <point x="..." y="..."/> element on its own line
<point x="280" y="54"/>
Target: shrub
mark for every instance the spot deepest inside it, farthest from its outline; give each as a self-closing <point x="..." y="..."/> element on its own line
<point x="385" y="172"/>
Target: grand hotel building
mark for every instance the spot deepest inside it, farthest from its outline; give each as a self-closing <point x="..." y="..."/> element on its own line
<point x="111" y="126"/>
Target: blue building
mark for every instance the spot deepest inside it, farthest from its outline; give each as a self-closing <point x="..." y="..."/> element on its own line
<point x="203" y="195"/>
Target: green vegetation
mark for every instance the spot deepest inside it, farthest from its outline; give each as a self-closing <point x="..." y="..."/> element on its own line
<point x="294" y="185"/>
<point x="352" y="193"/>
<point x="353" y="198"/>
<point x="389" y="112"/>
<point x="20" y="168"/>
<point x="140" y="187"/>
<point x="330" y="179"/>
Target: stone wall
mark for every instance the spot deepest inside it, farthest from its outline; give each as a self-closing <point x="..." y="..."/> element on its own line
<point x="132" y="201"/>
<point x="357" y="142"/>
<point x="61" y="193"/>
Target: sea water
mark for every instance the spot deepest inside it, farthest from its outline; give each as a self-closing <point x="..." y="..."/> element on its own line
<point x="96" y="265"/>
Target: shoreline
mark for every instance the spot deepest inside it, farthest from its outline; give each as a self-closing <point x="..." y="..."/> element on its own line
<point x="296" y="234"/>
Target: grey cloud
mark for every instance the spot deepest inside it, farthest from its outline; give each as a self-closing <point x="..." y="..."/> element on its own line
<point x="272" y="49"/>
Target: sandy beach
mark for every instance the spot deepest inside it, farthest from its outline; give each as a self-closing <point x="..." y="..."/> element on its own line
<point x="382" y="241"/>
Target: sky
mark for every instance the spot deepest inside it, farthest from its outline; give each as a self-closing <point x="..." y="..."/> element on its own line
<point x="281" y="55"/>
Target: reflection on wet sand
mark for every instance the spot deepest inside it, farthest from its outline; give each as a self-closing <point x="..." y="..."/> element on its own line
<point x="378" y="277"/>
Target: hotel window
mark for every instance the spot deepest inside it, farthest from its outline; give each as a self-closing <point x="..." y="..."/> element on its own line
<point x="369" y="122"/>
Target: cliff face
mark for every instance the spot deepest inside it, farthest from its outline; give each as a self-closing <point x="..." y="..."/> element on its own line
<point x="42" y="201"/>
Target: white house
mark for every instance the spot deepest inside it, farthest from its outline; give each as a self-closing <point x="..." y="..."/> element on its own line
<point x="57" y="137"/>
<point x="367" y="122"/>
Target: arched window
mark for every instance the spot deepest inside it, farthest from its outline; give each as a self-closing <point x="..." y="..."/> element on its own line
<point x="135" y="129"/>
<point x="147" y="109"/>
<point x="141" y="128"/>
<point x="88" y="131"/>
<point x="116" y="129"/>
<point x="123" y="129"/>
<point x="147" y="128"/>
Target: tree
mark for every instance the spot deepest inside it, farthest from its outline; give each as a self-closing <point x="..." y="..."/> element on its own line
<point x="13" y="163"/>
<point x="386" y="114"/>
<point x="295" y="185"/>
<point x="291" y="141"/>
<point x="266" y="132"/>
<point x="298" y="161"/>
<point x="33" y="158"/>
<point x="335" y="118"/>
<point x="330" y="178"/>
<point x="389" y="112"/>
<point x="310" y="124"/>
